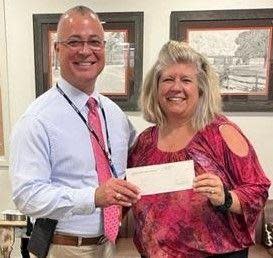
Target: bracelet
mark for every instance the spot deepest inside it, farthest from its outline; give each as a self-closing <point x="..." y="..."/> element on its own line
<point x="228" y="202"/>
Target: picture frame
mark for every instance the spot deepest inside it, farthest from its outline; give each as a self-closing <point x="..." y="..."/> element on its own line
<point x="239" y="45"/>
<point x="122" y="75"/>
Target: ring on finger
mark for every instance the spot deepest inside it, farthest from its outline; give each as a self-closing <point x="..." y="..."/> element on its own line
<point x="212" y="191"/>
<point x="118" y="196"/>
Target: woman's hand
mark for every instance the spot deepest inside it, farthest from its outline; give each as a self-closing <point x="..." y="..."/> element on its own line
<point x="211" y="186"/>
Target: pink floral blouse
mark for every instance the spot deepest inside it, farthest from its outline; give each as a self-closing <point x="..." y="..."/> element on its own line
<point x="185" y="224"/>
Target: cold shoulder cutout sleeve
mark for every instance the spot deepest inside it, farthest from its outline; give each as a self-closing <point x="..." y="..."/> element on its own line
<point x="247" y="179"/>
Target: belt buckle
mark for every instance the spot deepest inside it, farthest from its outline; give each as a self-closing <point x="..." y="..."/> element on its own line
<point x="102" y="240"/>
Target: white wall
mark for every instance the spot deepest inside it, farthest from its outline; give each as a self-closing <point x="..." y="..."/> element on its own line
<point x="4" y="84"/>
<point x="20" y="60"/>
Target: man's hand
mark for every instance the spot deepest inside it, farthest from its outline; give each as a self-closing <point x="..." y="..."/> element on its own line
<point x="116" y="192"/>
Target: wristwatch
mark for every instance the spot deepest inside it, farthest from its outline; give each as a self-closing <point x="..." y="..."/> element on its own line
<point x="228" y="202"/>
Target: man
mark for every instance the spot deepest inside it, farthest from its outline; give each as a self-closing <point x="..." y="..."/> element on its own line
<point x="58" y="162"/>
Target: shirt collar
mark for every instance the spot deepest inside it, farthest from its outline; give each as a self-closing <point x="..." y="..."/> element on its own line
<point x="78" y="97"/>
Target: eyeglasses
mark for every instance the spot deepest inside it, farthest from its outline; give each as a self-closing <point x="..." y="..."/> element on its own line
<point x="75" y="44"/>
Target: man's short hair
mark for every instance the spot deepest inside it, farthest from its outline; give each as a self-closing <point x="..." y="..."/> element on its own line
<point x="80" y="9"/>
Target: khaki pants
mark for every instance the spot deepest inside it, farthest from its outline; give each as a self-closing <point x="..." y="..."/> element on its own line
<point x="105" y="250"/>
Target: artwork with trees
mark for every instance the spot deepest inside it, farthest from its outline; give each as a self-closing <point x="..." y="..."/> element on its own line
<point x="240" y="56"/>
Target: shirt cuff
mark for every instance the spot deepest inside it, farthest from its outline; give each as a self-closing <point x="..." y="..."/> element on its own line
<point x="84" y="201"/>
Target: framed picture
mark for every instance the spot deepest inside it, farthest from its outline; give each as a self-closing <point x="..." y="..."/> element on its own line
<point x="238" y="43"/>
<point x="121" y="78"/>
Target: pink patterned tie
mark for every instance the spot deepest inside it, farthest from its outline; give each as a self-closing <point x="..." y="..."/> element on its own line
<point x="111" y="213"/>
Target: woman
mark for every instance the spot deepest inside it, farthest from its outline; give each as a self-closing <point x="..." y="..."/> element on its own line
<point x="217" y="217"/>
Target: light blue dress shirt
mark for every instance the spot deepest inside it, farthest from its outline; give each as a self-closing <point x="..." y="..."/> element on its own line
<point x="52" y="164"/>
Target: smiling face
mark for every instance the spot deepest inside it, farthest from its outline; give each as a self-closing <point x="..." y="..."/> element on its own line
<point x="178" y="92"/>
<point x="80" y="66"/>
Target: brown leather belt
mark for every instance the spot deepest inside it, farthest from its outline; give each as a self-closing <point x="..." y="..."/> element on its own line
<point x="78" y="241"/>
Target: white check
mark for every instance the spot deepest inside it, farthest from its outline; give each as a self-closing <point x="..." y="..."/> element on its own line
<point x="162" y="178"/>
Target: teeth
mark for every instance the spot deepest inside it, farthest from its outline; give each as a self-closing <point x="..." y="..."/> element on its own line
<point x="175" y="98"/>
<point x="84" y="63"/>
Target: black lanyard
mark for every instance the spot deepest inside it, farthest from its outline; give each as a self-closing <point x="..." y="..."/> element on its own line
<point x="107" y="153"/>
